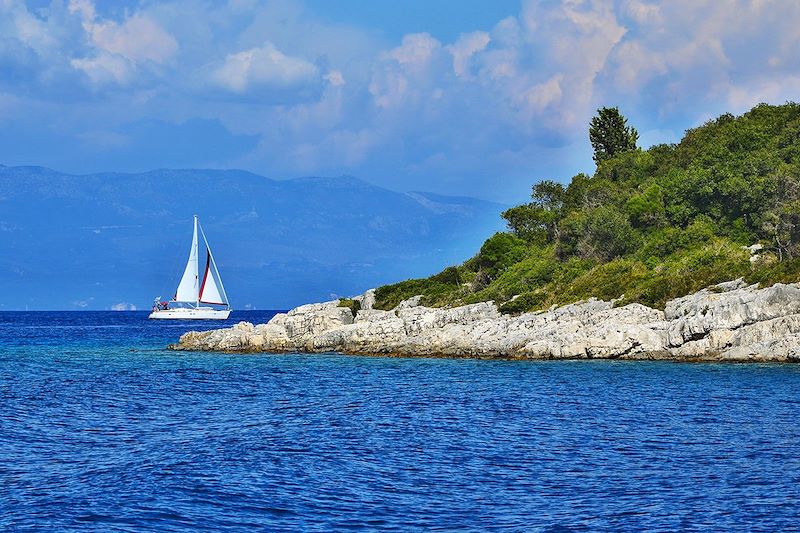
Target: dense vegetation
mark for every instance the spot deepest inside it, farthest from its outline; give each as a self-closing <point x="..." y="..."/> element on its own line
<point x="648" y="226"/>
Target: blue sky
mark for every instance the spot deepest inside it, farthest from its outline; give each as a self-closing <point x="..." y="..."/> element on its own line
<point x="477" y="98"/>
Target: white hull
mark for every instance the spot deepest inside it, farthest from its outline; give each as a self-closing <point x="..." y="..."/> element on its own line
<point x="190" y="313"/>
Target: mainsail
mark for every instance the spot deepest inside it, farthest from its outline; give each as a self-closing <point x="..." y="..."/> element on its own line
<point x="187" y="289"/>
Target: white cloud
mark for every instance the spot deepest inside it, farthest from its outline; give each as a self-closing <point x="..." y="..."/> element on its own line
<point x="30" y="29"/>
<point x="779" y="89"/>
<point x="137" y="39"/>
<point x="535" y="80"/>
<point x="409" y="74"/>
<point x="104" y="68"/>
<point x="642" y="12"/>
<point x="417" y="49"/>
<point x="688" y="55"/>
<point x="264" y="67"/>
<point x="465" y="47"/>
<point x="575" y="39"/>
<point x="118" y="48"/>
<point x="634" y="64"/>
<point x="541" y="96"/>
<point x="389" y="89"/>
<point x="326" y="97"/>
<point x="123" y="306"/>
<point x="335" y="78"/>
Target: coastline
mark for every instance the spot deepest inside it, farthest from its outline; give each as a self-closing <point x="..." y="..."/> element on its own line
<point x="728" y="322"/>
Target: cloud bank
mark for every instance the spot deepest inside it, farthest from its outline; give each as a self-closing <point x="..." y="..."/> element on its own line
<point x="487" y="114"/>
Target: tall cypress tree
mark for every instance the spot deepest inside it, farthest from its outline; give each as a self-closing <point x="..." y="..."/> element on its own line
<point x="610" y="134"/>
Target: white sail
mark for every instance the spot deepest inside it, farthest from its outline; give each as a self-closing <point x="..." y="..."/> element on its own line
<point x="188" y="290"/>
<point x="211" y="289"/>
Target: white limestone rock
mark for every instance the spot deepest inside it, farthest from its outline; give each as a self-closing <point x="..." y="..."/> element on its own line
<point x="411" y="302"/>
<point x="419" y="319"/>
<point x="245" y="327"/>
<point x="693" y="317"/>
<point x="306" y="321"/>
<point x="367" y="300"/>
<point x="782" y="349"/>
<point x="729" y="322"/>
<point x="594" y="329"/>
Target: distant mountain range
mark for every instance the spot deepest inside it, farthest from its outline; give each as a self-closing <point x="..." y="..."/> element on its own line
<point x="103" y="240"/>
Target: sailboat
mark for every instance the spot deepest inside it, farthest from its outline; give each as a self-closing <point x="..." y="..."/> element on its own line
<point x="192" y="292"/>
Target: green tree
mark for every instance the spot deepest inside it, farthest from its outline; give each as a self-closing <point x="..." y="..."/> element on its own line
<point x="537" y="221"/>
<point x="549" y="195"/>
<point x="499" y="252"/>
<point x="599" y="234"/>
<point x="651" y="224"/>
<point x="782" y="221"/>
<point x="528" y="222"/>
<point x="646" y="209"/>
<point x="610" y="134"/>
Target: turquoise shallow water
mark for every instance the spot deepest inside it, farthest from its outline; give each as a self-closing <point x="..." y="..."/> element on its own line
<point x="102" y="429"/>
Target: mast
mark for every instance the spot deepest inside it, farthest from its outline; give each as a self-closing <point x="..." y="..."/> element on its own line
<point x="196" y="265"/>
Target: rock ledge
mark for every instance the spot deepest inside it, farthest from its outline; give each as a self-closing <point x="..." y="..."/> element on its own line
<point x="727" y="322"/>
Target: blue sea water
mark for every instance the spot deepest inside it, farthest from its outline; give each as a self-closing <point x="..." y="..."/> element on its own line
<point x="103" y="429"/>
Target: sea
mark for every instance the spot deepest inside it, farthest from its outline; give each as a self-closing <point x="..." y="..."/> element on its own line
<point x="103" y="429"/>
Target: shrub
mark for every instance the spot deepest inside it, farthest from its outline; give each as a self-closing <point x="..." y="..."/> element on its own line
<point x="448" y="276"/>
<point x="601" y="234"/>
<point x="353" y="305"/>
<point x="529" y="301"/>
<point x="440" y="289"/>
<point x="777" y="272"/>
<point x="499" y="252"/>
<point x="647" y="209"/>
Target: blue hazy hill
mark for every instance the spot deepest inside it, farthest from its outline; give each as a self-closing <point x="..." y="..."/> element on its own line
<point x="92" y="241"/>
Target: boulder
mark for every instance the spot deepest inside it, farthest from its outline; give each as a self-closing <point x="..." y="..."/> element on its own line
<point x="307" y="321"/>
<point x="367" y="300"/>
<point x="410" y="302"/>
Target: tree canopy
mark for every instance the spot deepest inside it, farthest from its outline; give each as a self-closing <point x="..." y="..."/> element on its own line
<point x="649" y="225"/>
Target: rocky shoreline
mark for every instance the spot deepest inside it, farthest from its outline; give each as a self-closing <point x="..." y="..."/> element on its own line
<point x="731" y="322"/>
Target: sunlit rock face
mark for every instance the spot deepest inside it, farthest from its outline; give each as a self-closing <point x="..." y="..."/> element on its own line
<point x="728" y="322"/>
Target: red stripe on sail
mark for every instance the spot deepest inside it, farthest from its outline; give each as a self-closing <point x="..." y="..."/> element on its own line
<point x="205" y="276"/>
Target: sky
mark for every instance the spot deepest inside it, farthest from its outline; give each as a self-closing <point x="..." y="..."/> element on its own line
<point x="456" y="97"/>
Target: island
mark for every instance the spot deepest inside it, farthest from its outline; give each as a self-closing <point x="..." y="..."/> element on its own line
<point x="689" y="251"/>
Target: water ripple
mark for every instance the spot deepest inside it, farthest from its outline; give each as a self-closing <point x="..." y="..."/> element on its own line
<point x="101" y="429"/>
